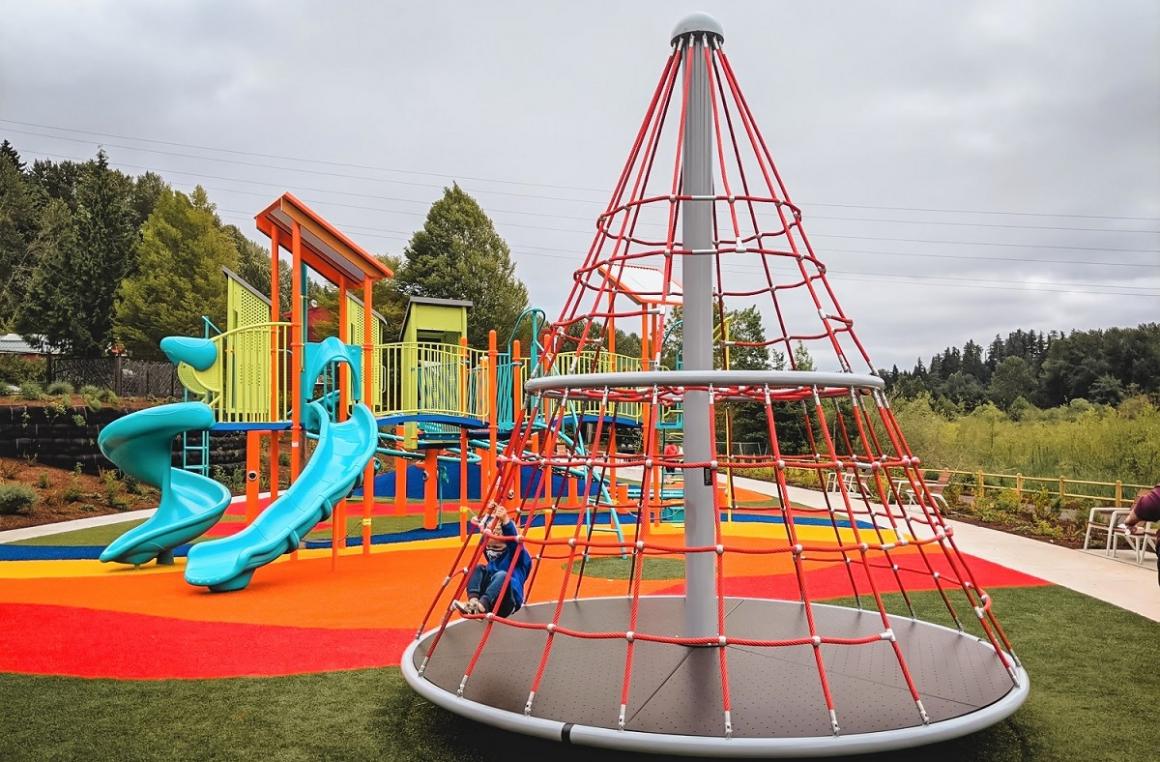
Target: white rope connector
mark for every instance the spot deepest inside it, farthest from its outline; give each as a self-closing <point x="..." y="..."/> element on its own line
<point x="863" y="547"/>
<point x="720" y="549"/>
<point x="462" y="685"/>
<point x="551" y="627"/>
<point x="797" y="549"/>
<point x="648" y="462"/>
<point x="834" y="722"/>
<point x="936" y="575"/>
<point x="816" y="640"/>
<point x="906" y="460"/>
<point x="490" y="616"/>
<point x="722" y="641"/>
<point x="640" y="544"/>
<point x="571" y="542"/>
<point x="780" y="464"/>
<point x="922" y="712"/>
<point x="888" y="635"/>
<point x="528" y="705"/>
<point x="620" y="720"/>
<point x="728" y="724"/>
<point x="629" y="636"/>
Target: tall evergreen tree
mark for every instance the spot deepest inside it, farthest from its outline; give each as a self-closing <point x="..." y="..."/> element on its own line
<point x="458" y="255"/>
<point x="19" y="222"/>
<point x="178" y="279"/>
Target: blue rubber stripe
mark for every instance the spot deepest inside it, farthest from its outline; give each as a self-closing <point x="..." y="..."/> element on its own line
<point x="450" y="529"/>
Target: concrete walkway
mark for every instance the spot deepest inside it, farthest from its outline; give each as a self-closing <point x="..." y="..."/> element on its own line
<point x="1125" y="585"/>
<point x="44" y="530"/>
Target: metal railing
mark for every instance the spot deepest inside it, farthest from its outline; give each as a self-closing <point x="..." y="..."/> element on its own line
<point x="250" y="382"/>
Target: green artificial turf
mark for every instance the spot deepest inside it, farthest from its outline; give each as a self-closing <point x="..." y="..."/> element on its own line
<point x="620" y="568"/>
<point x="1093" y="697"/>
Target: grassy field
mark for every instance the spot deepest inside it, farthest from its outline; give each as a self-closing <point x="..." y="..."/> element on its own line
<point x="1094" y="688"/>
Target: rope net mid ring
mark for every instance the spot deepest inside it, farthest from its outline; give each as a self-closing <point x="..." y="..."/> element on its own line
<point x="741" y="657"/>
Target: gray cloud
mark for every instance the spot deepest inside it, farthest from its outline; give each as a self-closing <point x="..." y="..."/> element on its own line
<point x="1049" y="107"/>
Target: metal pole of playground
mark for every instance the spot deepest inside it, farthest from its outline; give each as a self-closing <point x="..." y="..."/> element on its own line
<point x="697" y="272"/>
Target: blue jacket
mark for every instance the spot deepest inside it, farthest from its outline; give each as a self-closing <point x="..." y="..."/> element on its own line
<point x="519" y="574"/>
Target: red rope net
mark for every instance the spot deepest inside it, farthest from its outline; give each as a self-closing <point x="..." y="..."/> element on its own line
<point x="875" y="502"/>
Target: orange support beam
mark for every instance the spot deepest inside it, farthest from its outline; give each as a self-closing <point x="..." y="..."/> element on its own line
<point x="338" y="531"/>
<point x="400" y="476"/>
<point x="493" y="413"/>
<point x="297" y="348"/>
<point x="517" y="408"/>
<point x="430" y="490"/>
<point x="463" y="453"/>
<point x="253" y="473"/>
<point x="368" y="359"/>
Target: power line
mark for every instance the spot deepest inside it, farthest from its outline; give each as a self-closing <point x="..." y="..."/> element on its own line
<point x="590" y="232"/>
<point x="920" y="255"/>
<point x="541" y="214"/>
<point x="452" y="176"/>
<point x="1152" y="291"/>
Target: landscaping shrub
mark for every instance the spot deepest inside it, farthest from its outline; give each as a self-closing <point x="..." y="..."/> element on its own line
<point x="61" y="388"/>
<point x="18" y="370"/>
<point x="30" y="390"/>
<point x="15" y="498"/>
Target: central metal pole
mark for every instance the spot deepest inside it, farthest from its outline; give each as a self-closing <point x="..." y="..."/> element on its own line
<point x="697" y="270"/>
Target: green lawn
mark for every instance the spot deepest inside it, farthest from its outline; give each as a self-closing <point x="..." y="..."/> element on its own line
<point x="1093" y="697"/>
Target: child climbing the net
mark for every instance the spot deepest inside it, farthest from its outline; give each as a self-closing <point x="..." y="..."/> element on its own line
<point x="487" y="582"/>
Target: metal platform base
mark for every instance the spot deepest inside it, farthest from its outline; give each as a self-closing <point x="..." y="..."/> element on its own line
<point x="675" y="696"/>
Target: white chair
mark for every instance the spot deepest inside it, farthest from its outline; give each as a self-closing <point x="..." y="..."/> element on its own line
<point x="1114" y="514"/>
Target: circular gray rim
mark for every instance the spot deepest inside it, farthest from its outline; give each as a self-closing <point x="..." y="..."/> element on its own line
<point x="782" y="379"/>
<point x="712" y="746"/>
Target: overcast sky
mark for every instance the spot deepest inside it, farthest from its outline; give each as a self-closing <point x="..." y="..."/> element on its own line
<point x="1043" y="115"/>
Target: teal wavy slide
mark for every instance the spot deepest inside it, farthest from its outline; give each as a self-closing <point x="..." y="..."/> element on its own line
<point x="141" y="445"/>
<point x="343" y="451"/>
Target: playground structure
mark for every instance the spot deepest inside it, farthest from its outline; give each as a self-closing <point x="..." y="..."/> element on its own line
<point x="717" y="670"/>
<point x="434" y="410"/>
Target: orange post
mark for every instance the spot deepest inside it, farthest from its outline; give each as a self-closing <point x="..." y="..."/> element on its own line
<point x="400" y="476"/>
<point x="430" y="490"/>
<point x="493" y="414"/>
<point x="253" y="472"/>
<point x="463" y="509"/>
<point x="297" y="347"/>
<point x="276" y="407"/>
<point x="275" y="466"/>
<point x="368" y="359"/>
<point x="463" y="448"/>
<point x="517" y="407"/>
<point x="573" y="491"/>
<point x="338" y="531"/>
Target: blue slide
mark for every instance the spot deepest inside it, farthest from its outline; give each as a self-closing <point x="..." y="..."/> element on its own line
<point x="343" y="451"/>
<point x="141" y="445"/>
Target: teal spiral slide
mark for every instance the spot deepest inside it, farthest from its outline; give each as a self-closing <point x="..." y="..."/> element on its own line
<point x="141" y="445"/>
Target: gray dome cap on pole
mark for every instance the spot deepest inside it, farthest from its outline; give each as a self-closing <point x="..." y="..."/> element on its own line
<point x="696" y="24"/>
